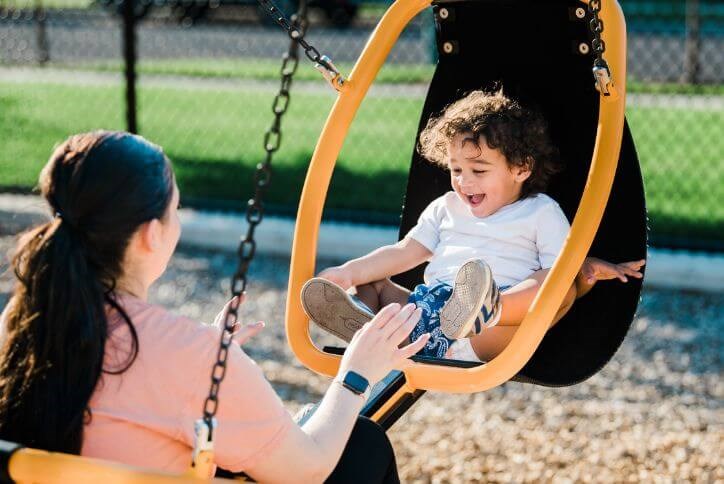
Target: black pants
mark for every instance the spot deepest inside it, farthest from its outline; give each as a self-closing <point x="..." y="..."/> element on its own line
<point x="368" y="458"/>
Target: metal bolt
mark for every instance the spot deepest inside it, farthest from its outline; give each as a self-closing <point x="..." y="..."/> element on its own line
<point x="583" y="48"/>
<point x="444" y="13"/>
<point x="447" y="47"/>
<point x="580" y="12"/>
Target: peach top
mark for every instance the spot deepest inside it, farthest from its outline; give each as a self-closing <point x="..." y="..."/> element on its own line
<point x="145" y="415"/>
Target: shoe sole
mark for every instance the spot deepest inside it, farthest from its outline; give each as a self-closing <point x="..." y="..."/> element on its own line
<point x="472" y="284"/>
<point x="332" y="309"/>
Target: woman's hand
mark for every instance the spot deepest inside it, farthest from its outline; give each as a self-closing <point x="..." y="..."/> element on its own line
<point x="340" y="275"/>
<point x="242" y="332"/>
<point x="375" y="349"/>
<point x="594" y="269"/>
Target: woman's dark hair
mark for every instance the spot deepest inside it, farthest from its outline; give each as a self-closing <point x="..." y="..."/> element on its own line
<point x="101" y="187"/>
<point x="520" y="134"/>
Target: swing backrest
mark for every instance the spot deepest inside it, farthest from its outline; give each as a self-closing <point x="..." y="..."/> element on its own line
<point x="531" y="49"/>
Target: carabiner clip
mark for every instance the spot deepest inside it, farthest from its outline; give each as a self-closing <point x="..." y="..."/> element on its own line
<point x="202" y="458"/>
<point x="602" y="76"/>
<point x="330" y="72"/>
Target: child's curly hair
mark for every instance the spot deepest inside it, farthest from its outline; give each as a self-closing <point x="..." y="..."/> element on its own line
<point x="520" y="134"/>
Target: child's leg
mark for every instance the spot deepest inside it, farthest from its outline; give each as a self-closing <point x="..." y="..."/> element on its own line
<point x="515" y="303"/>
<point x="379" y="294"/>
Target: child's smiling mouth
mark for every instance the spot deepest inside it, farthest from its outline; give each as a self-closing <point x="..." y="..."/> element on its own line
<point x="475" y="199"/>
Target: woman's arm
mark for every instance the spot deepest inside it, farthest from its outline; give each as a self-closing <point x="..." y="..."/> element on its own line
<point x="379" y="264"/>
<point x="310" y="453"/>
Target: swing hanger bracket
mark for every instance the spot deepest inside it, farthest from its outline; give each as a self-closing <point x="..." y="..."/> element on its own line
<point x="330" y="72"/>
<point x="602" y="77"/>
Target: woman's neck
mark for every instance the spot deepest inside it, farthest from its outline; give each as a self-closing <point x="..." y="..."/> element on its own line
<point x="133" y="287"/>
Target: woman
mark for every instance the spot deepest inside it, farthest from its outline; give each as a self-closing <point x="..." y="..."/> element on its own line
<point x="87" y="363"/>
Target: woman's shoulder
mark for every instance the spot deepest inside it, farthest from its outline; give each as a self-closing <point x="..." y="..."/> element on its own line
<point x="159" y="328"/>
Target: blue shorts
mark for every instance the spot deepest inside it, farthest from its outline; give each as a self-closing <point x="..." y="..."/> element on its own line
<point x="431" y="300"/>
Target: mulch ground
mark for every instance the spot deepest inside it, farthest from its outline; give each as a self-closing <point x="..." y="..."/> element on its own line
<point x="654" y="413"/>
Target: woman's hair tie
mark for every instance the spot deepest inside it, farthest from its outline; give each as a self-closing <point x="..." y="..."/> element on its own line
<point x="64" y="221"/>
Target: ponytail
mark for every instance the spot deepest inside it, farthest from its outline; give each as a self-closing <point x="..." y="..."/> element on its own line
<point x="54" y="355"/>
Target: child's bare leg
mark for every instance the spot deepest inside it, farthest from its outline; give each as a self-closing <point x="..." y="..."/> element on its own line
<point x="515" y="303"/>
<point x="379" y="294"/>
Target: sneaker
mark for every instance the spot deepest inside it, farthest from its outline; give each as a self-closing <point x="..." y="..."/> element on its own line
<point x="331" y="308"/>
<point x="474" y="294"/>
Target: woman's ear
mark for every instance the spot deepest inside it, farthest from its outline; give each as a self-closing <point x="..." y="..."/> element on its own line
<point x="149" y="235"/>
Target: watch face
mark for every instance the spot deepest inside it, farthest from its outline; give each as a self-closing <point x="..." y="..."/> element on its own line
<point x="356" y="382"/>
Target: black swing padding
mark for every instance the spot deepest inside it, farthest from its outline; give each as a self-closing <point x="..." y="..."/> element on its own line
<point x="530" y="48"/>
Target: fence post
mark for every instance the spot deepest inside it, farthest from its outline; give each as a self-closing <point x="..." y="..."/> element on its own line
<point x="129" y="57"/>
<point x="41" y="33"/>
<point x="693" y="43"/>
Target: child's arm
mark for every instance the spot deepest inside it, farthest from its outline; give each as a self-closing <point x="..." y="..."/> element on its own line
<point x="594" y="270"/>
<point x="517" y="299"/>
<point x="379" y="264"/>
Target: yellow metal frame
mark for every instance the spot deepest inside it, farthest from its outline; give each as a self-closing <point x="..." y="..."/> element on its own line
<point x="39" y="466"/>
<point x="583" y="229"/>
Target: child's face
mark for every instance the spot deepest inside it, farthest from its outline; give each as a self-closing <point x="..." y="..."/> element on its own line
<point x="482" y="177"/>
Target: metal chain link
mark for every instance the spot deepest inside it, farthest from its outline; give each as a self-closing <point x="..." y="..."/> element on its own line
<point x="596" y="26"/>
<point x="295" y="33"/>
<point x="255" y="206"/>
<point x="601" y="71"/>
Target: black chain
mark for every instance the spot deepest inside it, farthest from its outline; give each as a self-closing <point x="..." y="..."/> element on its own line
<point x="295" y="32"/>
<point x="255" y="206"/>
<point x="596" y="26"/>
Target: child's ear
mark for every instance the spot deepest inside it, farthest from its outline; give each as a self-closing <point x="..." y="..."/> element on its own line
<point x="524" y="171"/>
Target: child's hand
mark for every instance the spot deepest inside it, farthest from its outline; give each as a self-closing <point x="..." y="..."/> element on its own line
<point x="339" y="275"/>
<point x="594" y="269"/>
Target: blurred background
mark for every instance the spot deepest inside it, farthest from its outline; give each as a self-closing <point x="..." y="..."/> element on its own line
<point x="207" y="72"/>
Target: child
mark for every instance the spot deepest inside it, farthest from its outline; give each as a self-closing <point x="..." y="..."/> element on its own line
<point x="489" y="242"/>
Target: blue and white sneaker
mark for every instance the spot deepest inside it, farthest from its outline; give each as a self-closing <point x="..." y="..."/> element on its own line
<point x="333" y="309"/>
<point x="474" y="303"/>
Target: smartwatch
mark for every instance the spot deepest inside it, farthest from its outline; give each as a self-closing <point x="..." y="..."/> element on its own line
<point x="356" y="383"/>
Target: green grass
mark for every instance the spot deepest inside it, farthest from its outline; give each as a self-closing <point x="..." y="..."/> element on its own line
<point x="682" y="157"/>
<point x="214" y="139"/>
<point x="268" y="70"/>
<point x="251" y="68"/>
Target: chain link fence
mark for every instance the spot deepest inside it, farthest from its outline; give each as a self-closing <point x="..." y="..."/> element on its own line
<point x="207" y="72"/>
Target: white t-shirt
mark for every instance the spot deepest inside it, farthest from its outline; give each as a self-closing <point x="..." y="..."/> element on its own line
<point x="515" y="241"/>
